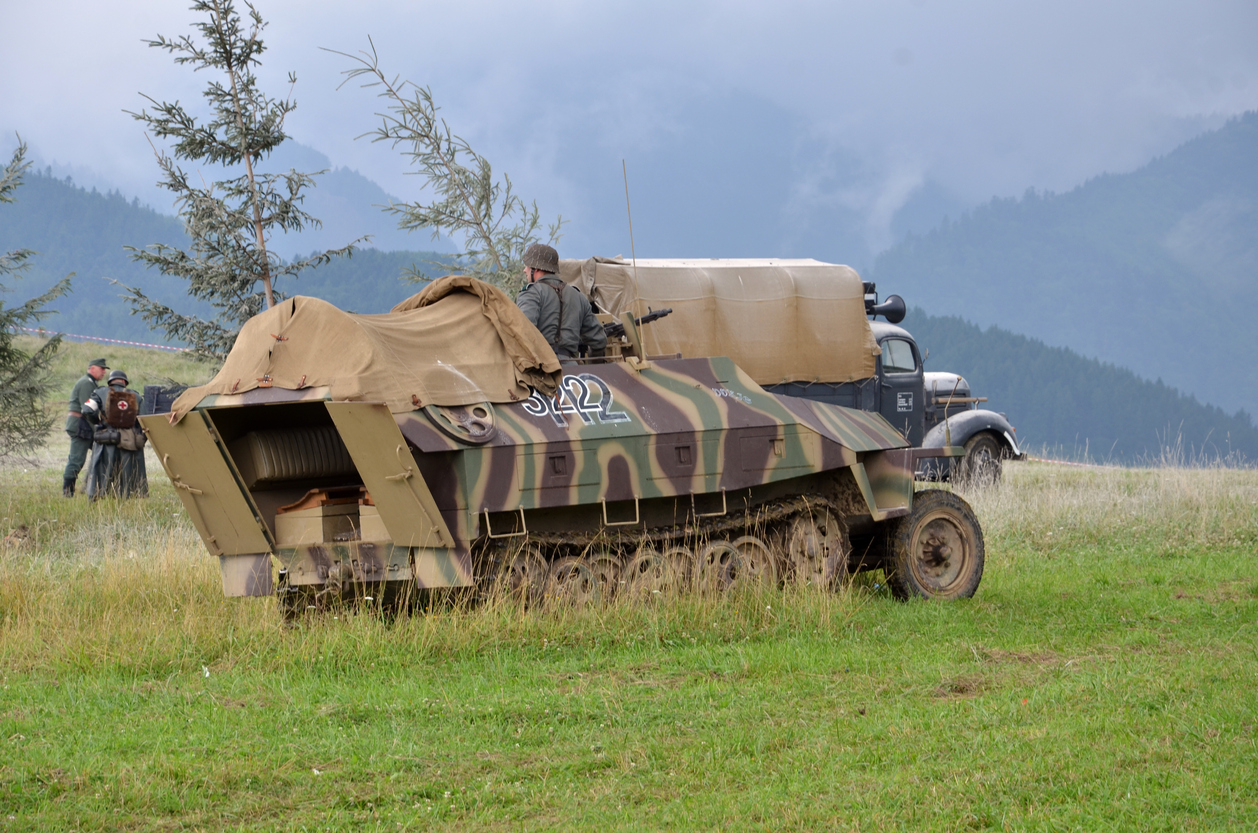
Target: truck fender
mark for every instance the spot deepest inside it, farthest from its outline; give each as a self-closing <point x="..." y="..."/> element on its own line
<point x="962" y="427"/>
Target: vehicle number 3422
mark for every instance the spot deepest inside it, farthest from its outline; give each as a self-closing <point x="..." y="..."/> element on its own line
<point x="585" y="395"/>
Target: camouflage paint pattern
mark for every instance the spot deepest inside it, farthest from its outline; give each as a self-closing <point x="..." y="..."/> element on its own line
<point x="622" y="448"/>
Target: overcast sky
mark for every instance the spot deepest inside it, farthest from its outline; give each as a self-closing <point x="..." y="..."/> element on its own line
<point x="771" y="129"/>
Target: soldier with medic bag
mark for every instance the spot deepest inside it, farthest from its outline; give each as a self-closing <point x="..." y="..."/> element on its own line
<point x="117" y="466"/>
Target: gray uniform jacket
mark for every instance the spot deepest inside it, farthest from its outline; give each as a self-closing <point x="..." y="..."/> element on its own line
<point x="83" y="389"/>
<point x="541" y="302"/>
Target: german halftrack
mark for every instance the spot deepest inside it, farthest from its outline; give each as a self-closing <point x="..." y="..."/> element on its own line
<point x="338" y="456"/>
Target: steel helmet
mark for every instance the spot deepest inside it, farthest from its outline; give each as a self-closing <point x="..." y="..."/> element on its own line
<point x="543" y="257"/>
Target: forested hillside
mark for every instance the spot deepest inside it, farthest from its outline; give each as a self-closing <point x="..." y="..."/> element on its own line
<point x="84" y="232"/>
<point x="1070" y="405"/>
<point x="1155" y="270"/>
<point x="1055" y="397"/>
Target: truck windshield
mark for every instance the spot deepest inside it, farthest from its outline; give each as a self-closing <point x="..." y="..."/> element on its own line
<point x="897" y="356"/>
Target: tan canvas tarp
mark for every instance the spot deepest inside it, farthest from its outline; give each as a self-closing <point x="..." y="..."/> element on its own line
<point x="458" y="342"/>
<point x="779" y="320"/>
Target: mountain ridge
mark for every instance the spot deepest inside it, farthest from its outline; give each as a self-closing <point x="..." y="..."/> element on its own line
<point x="1155" y="270"/>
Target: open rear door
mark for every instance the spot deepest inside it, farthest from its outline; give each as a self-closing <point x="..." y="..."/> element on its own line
<point x="388" y="470"/>
<point x="222" y="512"/>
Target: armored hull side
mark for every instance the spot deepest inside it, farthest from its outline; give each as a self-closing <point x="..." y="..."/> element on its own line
<point x="633" y="474"/>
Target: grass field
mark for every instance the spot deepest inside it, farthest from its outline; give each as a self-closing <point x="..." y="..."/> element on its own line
<point x="1105" y="677"/>
<point x="144" y="366"/>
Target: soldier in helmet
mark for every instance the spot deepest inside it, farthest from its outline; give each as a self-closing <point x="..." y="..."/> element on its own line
<point x="79" y="429"/>
<point x="559" y="311"/>
<point x="117" y="466"/>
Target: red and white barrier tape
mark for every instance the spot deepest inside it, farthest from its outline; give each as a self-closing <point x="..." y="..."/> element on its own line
<point x="47" y="333"/>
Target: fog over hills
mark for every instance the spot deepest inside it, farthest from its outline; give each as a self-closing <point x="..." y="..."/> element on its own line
<point x="790" y="129"/>
<point x="347" y="204"/>
<point x="76" y="230"/>
<point x="1154" y="270"/>
<point x="1055" y="396"/>
<point x="1067" y="405"/>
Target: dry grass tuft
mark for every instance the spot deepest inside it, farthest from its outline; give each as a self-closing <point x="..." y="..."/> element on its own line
<point x="118" y="583"/>
<point x="1050" y="508"/>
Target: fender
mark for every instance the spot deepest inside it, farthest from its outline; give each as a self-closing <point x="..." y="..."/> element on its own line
<point x="962" y="427"/>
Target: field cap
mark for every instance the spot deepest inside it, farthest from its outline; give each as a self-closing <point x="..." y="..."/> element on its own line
<point x="98" y="363"/>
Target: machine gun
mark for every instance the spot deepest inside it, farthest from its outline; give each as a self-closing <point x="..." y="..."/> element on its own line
<point x="616" y="329"/>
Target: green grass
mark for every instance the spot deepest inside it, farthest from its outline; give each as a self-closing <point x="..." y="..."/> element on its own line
<point x="1105" y="677"/>
<point x="144" y="366"/>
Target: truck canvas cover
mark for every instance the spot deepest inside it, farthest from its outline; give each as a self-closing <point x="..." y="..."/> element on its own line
<point x="779" y="320"/>
<point x="458" y="342"/>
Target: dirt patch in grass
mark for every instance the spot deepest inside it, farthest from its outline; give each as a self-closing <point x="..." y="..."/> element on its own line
<point x="1037" y="658"/>
<point x="1229" y="591"/>
<point x="961" y="688"/>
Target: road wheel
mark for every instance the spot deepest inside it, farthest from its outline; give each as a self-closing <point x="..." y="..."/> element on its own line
<point x="609" y="570"/>
<point x="522" y="575"/>
<point x="981" y="465"/>
<point x="719" y="567"/>
<point x="681" y="568"/>
<point x="759" y="566"/>
<point x="647" y="576"/>
<point x="572" y="583"/>
<point x="816" y="544"/>
<point x="936" y="551"/>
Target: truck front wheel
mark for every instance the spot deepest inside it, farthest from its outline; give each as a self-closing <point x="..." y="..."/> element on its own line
<point x="936" y="551"/>
<point x="981" y="465"/>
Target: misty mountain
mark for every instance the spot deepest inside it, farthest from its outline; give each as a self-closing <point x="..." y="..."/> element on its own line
<point x="347" y="204"/>
<point x="1072" y="406"/>
<point x="1154" y="270"/>
<point x="1055" y="397"/>
<point x="85" y="232"/>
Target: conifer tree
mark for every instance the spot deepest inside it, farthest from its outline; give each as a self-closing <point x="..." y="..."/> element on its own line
<point x="230" y="221"/>
<point x="493" y="223"/>
<point x="23" y="376"/>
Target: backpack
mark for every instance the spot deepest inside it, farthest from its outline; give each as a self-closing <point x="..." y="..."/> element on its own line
<point x="121" y="408"/>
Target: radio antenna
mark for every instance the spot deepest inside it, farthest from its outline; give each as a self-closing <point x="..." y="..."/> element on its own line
<point x="629" y="211"/>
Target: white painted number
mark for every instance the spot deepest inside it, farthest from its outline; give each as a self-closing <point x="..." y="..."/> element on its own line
<point x="585" y="395"/>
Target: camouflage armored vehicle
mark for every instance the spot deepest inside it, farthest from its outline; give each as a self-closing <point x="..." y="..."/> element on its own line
<point x="801" y="328"/>
<point x="443" y="445"/>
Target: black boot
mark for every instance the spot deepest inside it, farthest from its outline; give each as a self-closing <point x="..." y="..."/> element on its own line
<point x="67" y="486"/>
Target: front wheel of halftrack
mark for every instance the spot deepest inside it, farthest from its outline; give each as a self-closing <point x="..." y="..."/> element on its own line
<point x="981" y="465"/>
<point x="936" y="551"/>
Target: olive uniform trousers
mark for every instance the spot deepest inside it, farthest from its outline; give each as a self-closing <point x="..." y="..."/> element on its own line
<point x="79" y="449"/>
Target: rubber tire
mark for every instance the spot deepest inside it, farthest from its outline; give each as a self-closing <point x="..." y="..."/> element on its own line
<point x="982" y="464"/>
<point x="907" y="574"/>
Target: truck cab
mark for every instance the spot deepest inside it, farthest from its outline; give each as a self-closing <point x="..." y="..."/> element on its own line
<point x="932" y="409"/>
<point x="803" y="328"/>
<point x="901" y="381"/>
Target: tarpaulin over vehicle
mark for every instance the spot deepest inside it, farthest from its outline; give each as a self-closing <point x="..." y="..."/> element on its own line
<point x="779" y="320"/>
<point x="458" y="342"/>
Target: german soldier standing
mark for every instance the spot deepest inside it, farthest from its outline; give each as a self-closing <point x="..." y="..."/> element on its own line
<point x="559" y="311"/>
<point x="117" y="466"/>
<point x="79" y="429"/>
